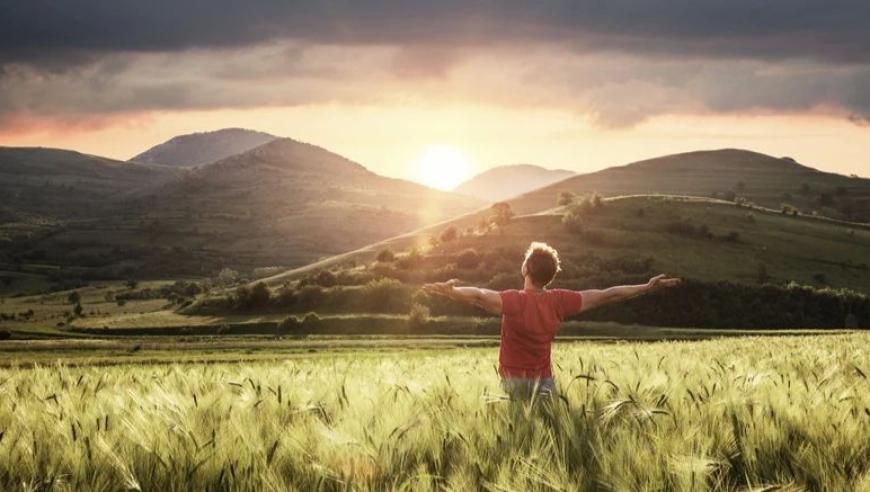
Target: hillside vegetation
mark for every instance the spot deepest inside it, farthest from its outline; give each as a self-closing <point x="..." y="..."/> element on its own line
<point x="744" y="267"/>
<point x="282" y="204"/>
<point x="728" y="174"/>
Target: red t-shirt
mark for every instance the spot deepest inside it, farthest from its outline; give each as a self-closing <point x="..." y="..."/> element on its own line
<point x="529" y="323"/>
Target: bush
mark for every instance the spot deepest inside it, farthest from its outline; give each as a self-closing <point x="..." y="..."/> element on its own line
<point x="310" y="320"/>
<point x="5" y="335"/>
<point x="565" y="198"/>
<point x="386" y="256"/>
<point x="410" y="261"/>
<point x="292" y="323"/>
<point x="449" y="234"/>
<point x="573" y="219"/>
<point x="386" y="295"/>
<point x="468" y="259"/>
<point x="257" y="297"/>
<point x="325" y="278"/>
<point x="501" y="213"/>
<point x="419" y="315"/>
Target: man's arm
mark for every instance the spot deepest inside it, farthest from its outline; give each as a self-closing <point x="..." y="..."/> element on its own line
<point x="486" y="299"/>
<point x="594" y="298"/>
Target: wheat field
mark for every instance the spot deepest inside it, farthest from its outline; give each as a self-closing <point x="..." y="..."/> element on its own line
<point x="774" y="413"/>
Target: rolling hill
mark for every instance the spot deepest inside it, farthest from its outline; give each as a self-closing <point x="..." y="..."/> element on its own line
<point x="44" y="184"/>
<point x="699" y="174"/>
<point x="203" y="148"/>
<point x="501" y="182"/>
<point x="285" y="203"/>
<point x="726" y="173"/>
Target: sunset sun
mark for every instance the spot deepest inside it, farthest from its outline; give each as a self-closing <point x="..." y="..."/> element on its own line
<point x="443" y="167"/>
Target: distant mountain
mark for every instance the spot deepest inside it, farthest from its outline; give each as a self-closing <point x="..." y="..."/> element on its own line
<point x="57" y="184"/>
<point x="503" y="182"/>
<point x="288" y="203"/>
<point x="203" y="148"/>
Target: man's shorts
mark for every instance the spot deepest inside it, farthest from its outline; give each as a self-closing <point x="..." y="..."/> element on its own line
<point x="524" y="388"/>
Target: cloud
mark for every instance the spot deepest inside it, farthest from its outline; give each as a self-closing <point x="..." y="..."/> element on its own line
<point x="619" y="61"/>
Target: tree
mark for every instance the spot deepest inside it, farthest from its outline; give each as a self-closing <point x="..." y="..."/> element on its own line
<point x="78" y="310"/>
<point x="260" y="295"/>
<point x="565" y="198"/>
<point x="74" y="297"/>
<point x="502" y="213"/>
<point x="418" y="316"/>
<point x="449" y="234"/>
<point x="573" y="219"/>
<point x="386" y="256"/>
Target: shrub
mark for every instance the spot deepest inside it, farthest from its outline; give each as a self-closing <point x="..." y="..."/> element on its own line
<point x="257" y="297"/>
<point x="5" y="335"/>
<point x="449" y="234"/>
<point x="325" y="278"/>
<point x="386" y="256"/>
<point x="573" y="219"/>
<point x="468" y="259"/>
<point x="565" y="198"/>
<point x="501" y="213"/>
<point x="410" y="260"/>
<point x="78" y="310"/>
<point x="418" y="316"/>
<point x="310" y="320"/>
<point x="292" y="323"/>
<point x="74" y="297"/>
<point x="385" y="296"/>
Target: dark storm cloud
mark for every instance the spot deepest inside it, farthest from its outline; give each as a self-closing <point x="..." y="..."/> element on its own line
<point x="830" y="30"/>
<point x="619" y="61"/>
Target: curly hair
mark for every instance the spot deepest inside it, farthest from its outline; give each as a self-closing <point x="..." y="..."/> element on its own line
<point x="541" y="263"/>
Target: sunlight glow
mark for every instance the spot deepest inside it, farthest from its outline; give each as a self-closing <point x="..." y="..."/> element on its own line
<point x="443" y="167"/>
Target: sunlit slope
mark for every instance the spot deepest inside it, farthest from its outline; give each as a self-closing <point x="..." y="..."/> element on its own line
<point x="762" y="179"/>
<point x="196" y="149"/>
<point x="738" y="245"/>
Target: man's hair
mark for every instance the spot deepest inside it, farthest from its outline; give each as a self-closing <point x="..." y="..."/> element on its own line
<point x="541" y="263"/>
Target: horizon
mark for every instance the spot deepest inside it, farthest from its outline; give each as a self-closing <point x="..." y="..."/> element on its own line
<point x="580" y="87"/>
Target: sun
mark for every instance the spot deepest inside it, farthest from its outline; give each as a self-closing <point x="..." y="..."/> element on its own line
<point x="443" y="167"/>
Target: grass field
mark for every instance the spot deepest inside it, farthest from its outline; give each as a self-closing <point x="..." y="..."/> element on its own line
<point x="729" y="414"/>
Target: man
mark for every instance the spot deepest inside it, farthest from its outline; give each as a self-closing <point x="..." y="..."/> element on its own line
<point x="530" y="317"/>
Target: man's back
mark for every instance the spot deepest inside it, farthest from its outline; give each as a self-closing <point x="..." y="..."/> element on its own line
<point x="530" y="319"/>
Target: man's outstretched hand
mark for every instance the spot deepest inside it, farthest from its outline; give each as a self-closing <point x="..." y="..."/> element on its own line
<point x="662" y="281"/>
<point x="440" y="288"/>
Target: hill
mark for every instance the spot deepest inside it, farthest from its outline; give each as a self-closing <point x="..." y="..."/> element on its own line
<point x="203" y="148"/>
<point x="728" y="174"/>
<point x="503" y="182"/>
<point x="52" y="184"/>
<point x="703" y="239"/>
<point x="744" y="268"/>
<point x="283" y="204"/>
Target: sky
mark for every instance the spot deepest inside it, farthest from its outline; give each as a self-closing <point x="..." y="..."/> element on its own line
<point x="579" y="85"/>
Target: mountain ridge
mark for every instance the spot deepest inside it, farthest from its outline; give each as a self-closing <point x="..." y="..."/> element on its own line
<point x="201" y="148"/>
